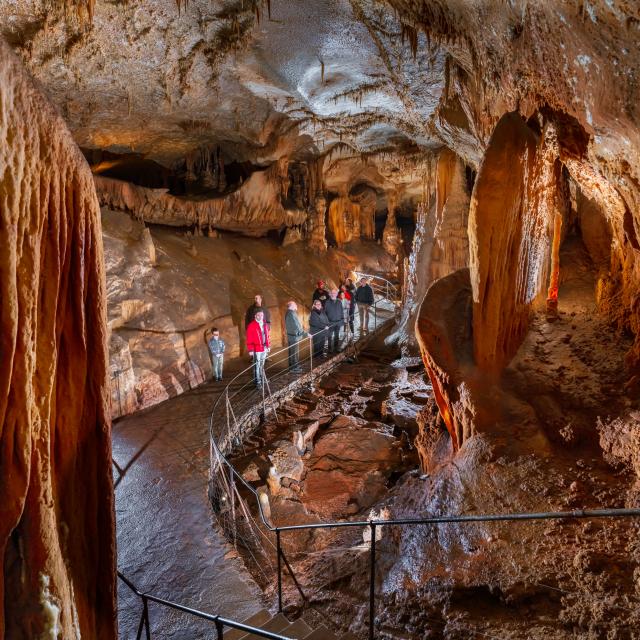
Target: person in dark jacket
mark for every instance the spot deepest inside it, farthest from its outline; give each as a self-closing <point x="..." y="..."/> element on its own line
<point x="295" y="333"/>
<point x="318" y="324"/>
<point x="216" y="350"/>
<point x="254" y="308"/>
<point x="335" y="315"/>
<point x="364" y="300"/>
<point x="320" y="293"/>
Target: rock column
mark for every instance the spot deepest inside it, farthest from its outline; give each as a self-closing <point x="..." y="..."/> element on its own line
<point x="57" y="543"/>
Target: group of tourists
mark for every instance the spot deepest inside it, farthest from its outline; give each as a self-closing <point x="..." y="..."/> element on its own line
<point x="332" y="311"/>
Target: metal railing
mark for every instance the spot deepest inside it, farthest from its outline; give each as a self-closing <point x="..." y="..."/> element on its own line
<point x="233" y="478"/>
<point x="219" y="621"/>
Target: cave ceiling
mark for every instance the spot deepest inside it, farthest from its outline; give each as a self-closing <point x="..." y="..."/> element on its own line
<point x="294" y="79"/>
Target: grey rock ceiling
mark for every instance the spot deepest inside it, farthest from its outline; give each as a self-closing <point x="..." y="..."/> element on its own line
<point x="146" y="77"/>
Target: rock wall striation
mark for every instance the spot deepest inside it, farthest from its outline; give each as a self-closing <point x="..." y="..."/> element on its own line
<point x="57" y="544"/>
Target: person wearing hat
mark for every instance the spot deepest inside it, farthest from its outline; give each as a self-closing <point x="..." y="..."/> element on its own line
<point x="320" y="293"/>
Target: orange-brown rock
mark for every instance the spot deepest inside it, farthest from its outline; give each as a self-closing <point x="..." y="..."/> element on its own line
<point x="510" y="231"/>
<point x="255" y="208"/>
<point x="348" y="468"/>
<point x="444" y="334"/>
<point x="450" y="250"/>
<point x="391" y="238"/>
<point x="344" y="220"/>
<point x="366" y="198"/>
<point x="57" y="543"/>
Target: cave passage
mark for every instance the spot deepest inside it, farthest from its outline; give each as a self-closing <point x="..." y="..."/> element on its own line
<point x="466" y="174"/>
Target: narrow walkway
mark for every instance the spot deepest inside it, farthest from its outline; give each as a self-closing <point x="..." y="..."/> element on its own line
<point x="168" y="543"/>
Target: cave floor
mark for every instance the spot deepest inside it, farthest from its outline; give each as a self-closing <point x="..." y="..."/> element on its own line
<point x="167" y="542"/>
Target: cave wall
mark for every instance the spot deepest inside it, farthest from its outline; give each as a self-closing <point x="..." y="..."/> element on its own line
<point x="57" y="544"/>
<point x="574" y="63"/>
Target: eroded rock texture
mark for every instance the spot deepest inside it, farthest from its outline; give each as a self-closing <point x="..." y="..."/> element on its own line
<point x="57" y="521"/>
<point x="556" y="154"/>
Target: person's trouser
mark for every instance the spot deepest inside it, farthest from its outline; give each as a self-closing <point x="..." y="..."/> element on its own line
<point x="318" y="343"/>
<point x="294" y="350"/>
<point x="217" y="366"/>
<point x="334" y="337"/>
<point x="363" y="309"/>
<point x="352" y="313"/>
<point x="258" y="366"/>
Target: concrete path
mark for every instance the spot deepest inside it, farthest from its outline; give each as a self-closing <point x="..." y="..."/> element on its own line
<point x="168" y="544"/>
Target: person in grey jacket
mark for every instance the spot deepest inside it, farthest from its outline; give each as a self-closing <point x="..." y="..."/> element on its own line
<point x="364" y="299"/>
<point x="295" y="333"/>
<point x="217" y="348"/>
<point x="335" y="315"/>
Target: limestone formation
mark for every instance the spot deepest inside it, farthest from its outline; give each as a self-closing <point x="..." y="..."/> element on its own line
<point x="317" y="237"/>
<point x="253" y="209"/>
<point x="57" y="517"/>
<point x="450" y="244"/>
<point x="391" y="238"/>
<point x="344" y="220"/>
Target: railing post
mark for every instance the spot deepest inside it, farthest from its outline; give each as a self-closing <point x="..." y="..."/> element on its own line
<point x="372" y="580"/>
<point x="144" y="620"/>
<point x="219" y="629"/>
<point x="279" y="552"/>
<point x="310" y="352"/>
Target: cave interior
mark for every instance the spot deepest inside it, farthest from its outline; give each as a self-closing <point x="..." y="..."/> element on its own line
<point x="162" y="162"/>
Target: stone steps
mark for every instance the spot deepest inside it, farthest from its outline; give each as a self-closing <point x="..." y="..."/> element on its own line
<point x="298" y="630"/>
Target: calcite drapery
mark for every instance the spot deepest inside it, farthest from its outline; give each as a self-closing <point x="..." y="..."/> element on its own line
<point x="391" y="238"/>
<point x="450" y="243"/>
<point x="316" y="231"/>
<point x="510" y="224"/>
<point x="344" y="220"/>
<point x="56" y="513"/>
<point x="513" y="207"/>
<point x="254" y="209"/>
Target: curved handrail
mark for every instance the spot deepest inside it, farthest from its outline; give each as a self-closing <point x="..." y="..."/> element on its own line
<point x="379" y="283"/>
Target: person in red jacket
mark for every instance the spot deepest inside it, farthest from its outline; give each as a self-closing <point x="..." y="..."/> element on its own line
<point x="258" y="345"/>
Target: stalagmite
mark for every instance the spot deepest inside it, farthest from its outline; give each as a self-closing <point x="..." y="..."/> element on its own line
<point x="57" y="516"/>
<point x="391" y="238"/>
<point x="450" y="243"/>
<point x="317" y="238"/>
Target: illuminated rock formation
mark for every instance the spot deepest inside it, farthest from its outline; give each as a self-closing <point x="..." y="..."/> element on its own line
<point x="317" y="234"/>
<point x="450" y="244"/>
<point x="57" y="516"/>
<point x="391" y="238"/>
<point x="255" y="208"/>
<point x="366" y="198"/>
<point x="344" y="220"/>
